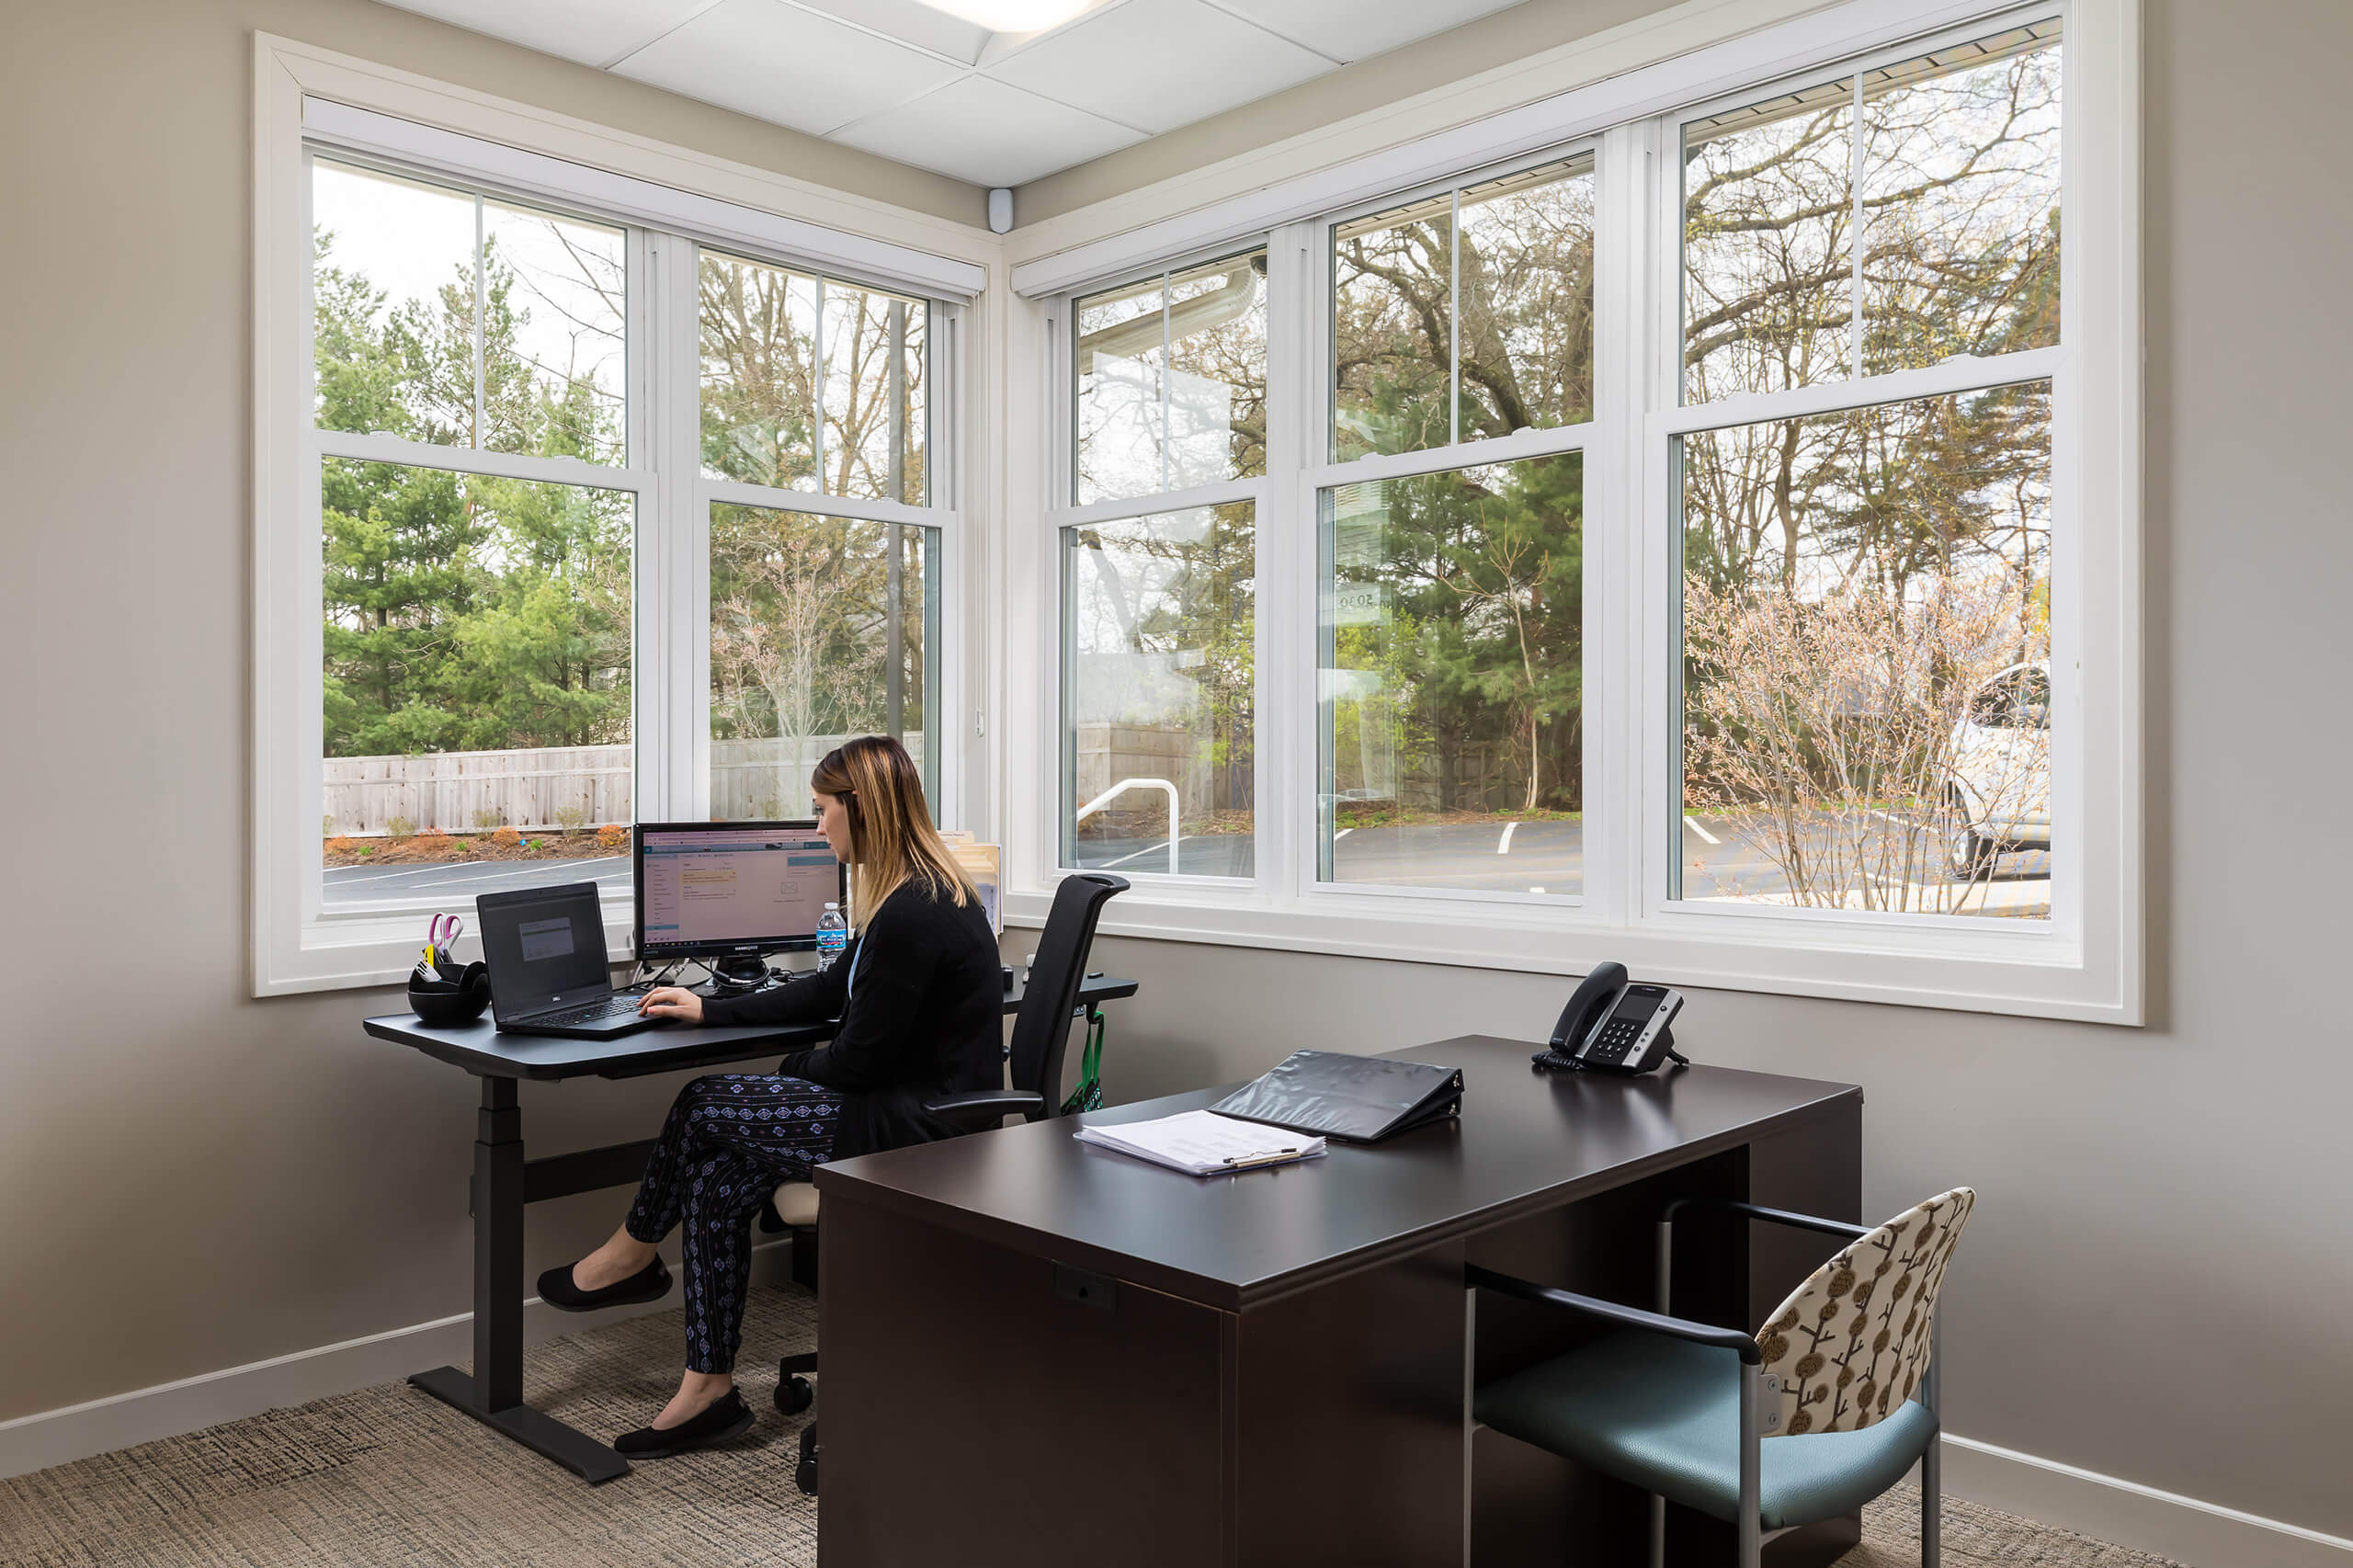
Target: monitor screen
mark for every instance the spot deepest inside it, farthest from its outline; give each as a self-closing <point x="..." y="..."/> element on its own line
<point x="705" y="888"/>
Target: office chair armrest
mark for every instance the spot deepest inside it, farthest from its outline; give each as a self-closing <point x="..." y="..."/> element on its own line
<point x="980" y="1109"/>
<point x="1772" y="1216"/>
<point x="1744" y="1345"/>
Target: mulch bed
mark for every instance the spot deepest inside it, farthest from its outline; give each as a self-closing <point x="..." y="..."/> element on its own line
<point x="434" y="848"/>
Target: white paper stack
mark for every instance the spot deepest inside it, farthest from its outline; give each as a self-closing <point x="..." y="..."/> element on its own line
<point x="1203" y="1143"/>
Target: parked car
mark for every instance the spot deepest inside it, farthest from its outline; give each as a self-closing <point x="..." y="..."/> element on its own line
<point x="1997" y="795"/>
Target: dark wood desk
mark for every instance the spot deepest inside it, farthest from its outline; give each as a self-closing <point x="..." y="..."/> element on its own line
<point x="504" y="1182"/>
<point x="1091" y="1359"/>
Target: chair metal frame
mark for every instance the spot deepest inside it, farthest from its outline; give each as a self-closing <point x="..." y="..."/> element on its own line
<point x="1746" y="1523"/>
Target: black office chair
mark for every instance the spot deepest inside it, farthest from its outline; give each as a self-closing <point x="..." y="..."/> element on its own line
<point x="1041" y="1039"/>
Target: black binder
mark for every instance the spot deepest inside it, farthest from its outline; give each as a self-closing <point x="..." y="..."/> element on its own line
<point x="1358" y="1099"/>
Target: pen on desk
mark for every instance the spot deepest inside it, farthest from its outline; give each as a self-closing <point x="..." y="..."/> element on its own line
<point x="1267" y="1157"/>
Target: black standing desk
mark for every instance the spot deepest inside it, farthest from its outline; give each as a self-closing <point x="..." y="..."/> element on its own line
<point x="503" y="1181"/>
<point x="1268" y="1369"/>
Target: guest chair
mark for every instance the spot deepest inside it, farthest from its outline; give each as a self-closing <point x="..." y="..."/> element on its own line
<point x="1823" y="1409"/>
<point x="1041" y="1038"/>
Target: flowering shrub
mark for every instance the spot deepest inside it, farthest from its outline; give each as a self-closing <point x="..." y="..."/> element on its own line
<point x="507" y="838"/>
<point x="432" y="840"/>
<point x="612" y="837"/>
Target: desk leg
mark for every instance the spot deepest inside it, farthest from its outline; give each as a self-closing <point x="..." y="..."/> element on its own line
<point x="494" y="1394"/>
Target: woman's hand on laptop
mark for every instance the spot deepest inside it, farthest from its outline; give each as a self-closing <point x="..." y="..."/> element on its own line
<point x="672" y="1002"/>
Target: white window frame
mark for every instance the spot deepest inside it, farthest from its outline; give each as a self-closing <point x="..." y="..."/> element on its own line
<point x="2085" y="962"/>
<point x="310" y="100"/>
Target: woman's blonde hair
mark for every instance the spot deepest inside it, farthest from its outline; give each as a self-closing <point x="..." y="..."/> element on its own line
<point x="891" y="841"/>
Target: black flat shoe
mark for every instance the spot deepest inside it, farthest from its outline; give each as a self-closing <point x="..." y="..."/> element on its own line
<point x="649" y="1283"/>
<point x="726" y="1416"/>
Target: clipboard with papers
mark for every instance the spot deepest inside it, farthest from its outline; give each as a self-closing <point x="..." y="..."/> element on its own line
<point x="1202" y="1143"/>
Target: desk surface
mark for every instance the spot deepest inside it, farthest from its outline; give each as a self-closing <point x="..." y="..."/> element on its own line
<point x="481" y="1049"/>
<point x="1526" y="1142"/>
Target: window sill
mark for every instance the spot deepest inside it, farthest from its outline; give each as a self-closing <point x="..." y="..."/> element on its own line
<point x="1918" y="962"/>
<point x="375" y="948"/>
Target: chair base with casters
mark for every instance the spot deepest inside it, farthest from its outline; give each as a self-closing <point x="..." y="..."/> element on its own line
<point x="1734" y="1425"/>
<point x="1041" y="1038"/>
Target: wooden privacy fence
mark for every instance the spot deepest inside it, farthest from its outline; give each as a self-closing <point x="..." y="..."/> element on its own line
<point x="563" y="787"/>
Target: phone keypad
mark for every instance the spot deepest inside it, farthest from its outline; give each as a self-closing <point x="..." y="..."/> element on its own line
<point x="1613" y="1040"/>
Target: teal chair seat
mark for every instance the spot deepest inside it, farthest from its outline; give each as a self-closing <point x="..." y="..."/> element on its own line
<point x="1664" y="1414"/>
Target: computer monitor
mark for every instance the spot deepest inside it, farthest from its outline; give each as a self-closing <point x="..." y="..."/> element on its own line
<point x="717" y="889"/>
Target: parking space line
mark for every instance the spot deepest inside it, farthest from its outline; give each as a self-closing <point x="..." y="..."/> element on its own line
<point x="1342" y="834"/>
<point x="1502" y="845"/>
<point x="1702" y="831"/>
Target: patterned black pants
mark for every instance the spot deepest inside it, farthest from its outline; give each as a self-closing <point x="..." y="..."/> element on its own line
<point x="730" y="1139"/>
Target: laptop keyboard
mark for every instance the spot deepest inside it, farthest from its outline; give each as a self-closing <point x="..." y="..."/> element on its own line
<point x="592" y="1013"/>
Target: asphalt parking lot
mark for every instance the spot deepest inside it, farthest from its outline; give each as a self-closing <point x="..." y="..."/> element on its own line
<point x="1498" y="856"/>
<point x="1531" y="857"/>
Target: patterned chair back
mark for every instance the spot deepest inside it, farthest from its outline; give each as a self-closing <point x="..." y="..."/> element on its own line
<point x="1851" y="1344"/>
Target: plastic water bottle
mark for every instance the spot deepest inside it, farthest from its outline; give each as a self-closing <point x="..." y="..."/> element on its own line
<point x="833" y="935"/>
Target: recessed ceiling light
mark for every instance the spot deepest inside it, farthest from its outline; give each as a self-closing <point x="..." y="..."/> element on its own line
<point x="1013" y="15"/>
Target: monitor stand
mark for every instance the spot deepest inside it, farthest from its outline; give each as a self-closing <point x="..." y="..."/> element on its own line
<point x="745" y="971"/>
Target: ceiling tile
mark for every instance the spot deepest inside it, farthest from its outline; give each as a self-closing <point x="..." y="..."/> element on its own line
<point x="781" y="64"/>
<point x="1157" y="65"/>
<point x="987" y="132"/>
<point x="1352" y="29"/>
<point x="910" y="21"/>
<point x="596" y="32"/>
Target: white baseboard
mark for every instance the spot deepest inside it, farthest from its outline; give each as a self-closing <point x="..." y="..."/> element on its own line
<point x="2203" y="1534"/>
<point x="78" y="1431"/>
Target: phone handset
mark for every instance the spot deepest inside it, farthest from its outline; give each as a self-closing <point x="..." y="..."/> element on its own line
<point x="1614" y="1026"/>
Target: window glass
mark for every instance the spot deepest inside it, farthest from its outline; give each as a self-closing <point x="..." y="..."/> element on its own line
<point x="1393" y="329"/>
<point x="1527" y="302"/>
<point x="1960" y="199"/>
<point x="1172" y="381"/>
<point x="759" y="374"/>
<point x="1853" y="582"/>
<point x="442" y="318"/>
<point x="1451" y="684"/>
<point x="392" y="291"/>
<point x="1158" y="728"/>
<point x="555" y="369"/>
<point x="821" y="628"/>
<point x="1768" y="260"/>
<point x="477" y="682"/>
<point x="874" y="394"/>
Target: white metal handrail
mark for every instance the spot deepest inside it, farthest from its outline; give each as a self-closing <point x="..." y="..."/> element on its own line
<point x="1123" y="786"/>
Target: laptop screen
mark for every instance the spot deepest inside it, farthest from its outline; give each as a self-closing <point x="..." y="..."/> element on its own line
<point x="545" y="948"/>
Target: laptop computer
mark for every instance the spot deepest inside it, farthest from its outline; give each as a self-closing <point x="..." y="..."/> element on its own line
<point x="545" y="949"/>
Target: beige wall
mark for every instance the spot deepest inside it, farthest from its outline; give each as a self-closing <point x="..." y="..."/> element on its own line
<point x="2154" y="1288"/>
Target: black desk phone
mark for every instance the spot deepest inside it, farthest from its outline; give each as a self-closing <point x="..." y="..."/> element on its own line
<point x="1612" y="1025"/>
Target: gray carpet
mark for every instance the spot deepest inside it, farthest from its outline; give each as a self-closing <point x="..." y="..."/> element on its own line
<point x="389" y="1476"/>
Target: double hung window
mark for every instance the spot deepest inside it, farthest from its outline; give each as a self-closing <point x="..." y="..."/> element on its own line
<point x="1680" y="540"/>
<point x="605" y="521"/>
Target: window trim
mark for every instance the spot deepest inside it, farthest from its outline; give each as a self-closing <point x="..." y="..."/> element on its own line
<point x="2087" y="961"/>
<point x="297" y="945"/>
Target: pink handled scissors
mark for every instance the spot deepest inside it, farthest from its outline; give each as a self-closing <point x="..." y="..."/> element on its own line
<point x="443" y="932"/>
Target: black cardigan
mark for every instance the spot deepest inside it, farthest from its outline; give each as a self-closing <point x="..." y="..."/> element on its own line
<point x="926" y="1016"/>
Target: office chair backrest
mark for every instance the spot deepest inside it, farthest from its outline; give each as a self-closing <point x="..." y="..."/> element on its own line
<point x="1851" y="1344"/>
<point x="1041" y="1030"/>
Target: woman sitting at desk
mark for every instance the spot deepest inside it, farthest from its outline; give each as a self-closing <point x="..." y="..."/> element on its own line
<point x="918" y="993"/>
